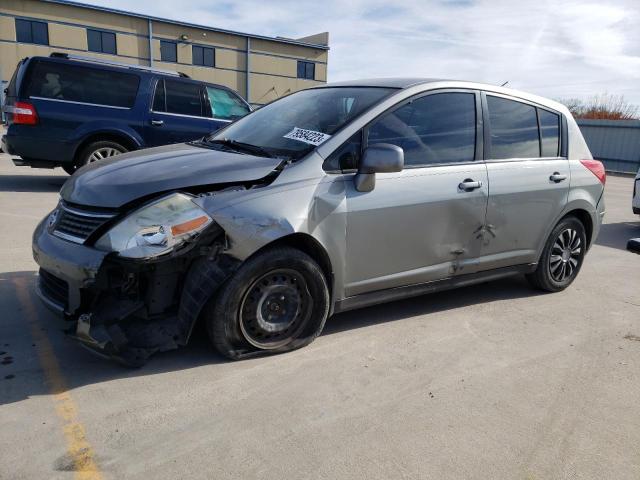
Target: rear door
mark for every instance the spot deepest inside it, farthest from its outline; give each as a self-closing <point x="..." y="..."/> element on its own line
<point x="179" y="113"/>
<point x="528" y="178"/>
<point x="421" y="224"/>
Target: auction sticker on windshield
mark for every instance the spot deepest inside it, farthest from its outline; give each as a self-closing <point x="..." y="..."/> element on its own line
<point x="307" y="136"/>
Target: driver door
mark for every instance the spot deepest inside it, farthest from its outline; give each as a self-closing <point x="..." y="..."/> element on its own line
<point x="419" y="225"/>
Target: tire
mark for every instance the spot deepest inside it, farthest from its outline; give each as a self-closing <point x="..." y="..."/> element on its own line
<point x="277" y="301"/>
<point x="95" y="151"/>
<point x="562" y="256"/>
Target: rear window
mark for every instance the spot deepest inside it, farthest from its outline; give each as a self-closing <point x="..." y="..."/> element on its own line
<point x="76" y="83"/>
<point x="514" y="129"/>
<point x="12" y="89"/>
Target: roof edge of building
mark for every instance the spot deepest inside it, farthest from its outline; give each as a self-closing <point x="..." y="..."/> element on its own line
<point x="290" y="41"/>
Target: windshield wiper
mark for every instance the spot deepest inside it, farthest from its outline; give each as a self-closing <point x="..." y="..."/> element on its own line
<point x="241" y="146"/>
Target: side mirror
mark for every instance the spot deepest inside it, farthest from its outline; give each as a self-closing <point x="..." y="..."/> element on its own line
<point x="378" y="158"/>
<point x="633" y="245"/>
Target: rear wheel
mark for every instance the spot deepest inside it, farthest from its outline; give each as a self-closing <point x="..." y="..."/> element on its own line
<point x="277" y="301"/>
<point x="562" y="256"/>
<point x="94" y="152"/>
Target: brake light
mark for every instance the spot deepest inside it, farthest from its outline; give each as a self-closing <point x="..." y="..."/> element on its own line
<point x="24" y="113"/>
<point x="597" y="168"/>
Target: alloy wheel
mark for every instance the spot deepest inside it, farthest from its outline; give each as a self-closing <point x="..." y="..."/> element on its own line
<point x="102" y="153"/>
<point x="566" y="255"/>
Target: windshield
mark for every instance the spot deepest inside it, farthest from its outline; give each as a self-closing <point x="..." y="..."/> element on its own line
<point x="295" y="125"/>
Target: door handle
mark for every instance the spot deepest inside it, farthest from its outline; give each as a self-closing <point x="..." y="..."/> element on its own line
<point x="157" y="123"/>
<point x="468" y="185"/>
<point x="557" y="177"/>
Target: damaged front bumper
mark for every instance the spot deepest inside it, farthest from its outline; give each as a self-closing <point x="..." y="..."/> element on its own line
<point x="129" y="309"/>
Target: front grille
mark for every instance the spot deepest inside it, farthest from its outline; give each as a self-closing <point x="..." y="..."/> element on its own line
<point x="54" y="289"/>
<point x="78" y="225"/>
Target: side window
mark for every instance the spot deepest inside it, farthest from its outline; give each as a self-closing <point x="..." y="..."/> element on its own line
<point x="183" y="98"/>
<point x="549" y="133"/>
<point x="346" y="157"/>
<point x="159" y="103"/>
<point x="438" y="128"/>
<point x="514" y="129"/>
<point x="75" y="83"/>
<point x="168" y="51"/>
<point x="224" y="104"/>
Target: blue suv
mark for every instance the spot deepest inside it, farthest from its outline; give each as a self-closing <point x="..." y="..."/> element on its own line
<point x="67" y="111"/>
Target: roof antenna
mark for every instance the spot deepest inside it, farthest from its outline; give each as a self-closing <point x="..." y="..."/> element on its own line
<point x="504" y="83"/>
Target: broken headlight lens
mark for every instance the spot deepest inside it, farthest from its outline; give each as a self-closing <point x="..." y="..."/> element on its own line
<point x="157" y="228"/>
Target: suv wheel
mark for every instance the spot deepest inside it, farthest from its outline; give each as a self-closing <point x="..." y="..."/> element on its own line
<point x="277" y="301"/>
<point x="95" y="152"/>
<point x="562" y="256"/>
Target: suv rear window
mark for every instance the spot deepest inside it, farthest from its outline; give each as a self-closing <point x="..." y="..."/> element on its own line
<point x="12" y="89"/>
<point x="75" y="83"/>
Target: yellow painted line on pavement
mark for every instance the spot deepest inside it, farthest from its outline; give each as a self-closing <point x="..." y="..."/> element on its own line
<point x="78" y="448"/>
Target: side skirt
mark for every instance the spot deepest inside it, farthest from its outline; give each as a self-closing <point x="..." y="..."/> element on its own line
<point x="399" y="293"/>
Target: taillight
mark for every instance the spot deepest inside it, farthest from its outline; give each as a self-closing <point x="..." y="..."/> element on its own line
<point x="24" y="113"/>
<point x="597" y="168"/>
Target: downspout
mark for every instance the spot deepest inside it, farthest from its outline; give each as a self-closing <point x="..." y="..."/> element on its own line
<point x="150" y="43"/>
<point x="248" y="72"/>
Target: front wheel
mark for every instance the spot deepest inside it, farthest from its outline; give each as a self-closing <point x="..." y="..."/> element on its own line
<point x="562" y="256"/>
<point x="276" y="301"/>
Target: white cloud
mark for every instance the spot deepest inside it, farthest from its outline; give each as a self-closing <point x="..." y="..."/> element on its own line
<point x="552" y="48"/>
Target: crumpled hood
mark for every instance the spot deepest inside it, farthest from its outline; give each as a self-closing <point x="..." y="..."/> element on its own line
<point x="122" y="179"/>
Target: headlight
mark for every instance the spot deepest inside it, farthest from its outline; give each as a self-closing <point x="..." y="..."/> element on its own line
<point x="156" y="228"/>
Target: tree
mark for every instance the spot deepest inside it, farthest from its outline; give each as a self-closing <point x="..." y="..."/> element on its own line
<point x="602" y="106"/>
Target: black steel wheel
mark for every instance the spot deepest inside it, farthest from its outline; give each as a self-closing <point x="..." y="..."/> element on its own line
<point x="274" y="308"/>
<point x="277" y="301"/>
<point x="562" y="256"/>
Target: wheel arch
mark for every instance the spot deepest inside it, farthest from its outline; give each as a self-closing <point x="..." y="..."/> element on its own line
<point x="124" y="139"/>
<point x="312" y="247"/>
<point x="586" y="220"/>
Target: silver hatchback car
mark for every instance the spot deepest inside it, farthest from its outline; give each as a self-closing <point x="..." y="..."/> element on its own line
<point x="330" y="199"/>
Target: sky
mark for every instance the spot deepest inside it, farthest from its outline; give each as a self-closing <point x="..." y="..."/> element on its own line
<point x="557" y="49"/>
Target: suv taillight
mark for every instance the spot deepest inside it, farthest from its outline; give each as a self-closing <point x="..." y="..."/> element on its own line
<point x="597" y="168"/>
<point x="24" y="114"/>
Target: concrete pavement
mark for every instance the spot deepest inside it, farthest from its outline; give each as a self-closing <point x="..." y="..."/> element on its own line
<point x="493" y="381"/>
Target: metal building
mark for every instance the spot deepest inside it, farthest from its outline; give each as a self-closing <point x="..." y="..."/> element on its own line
<point x="260" y="68"/>
<point x="614" y="142"/>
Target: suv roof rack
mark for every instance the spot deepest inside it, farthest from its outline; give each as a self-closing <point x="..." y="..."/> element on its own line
<point x="81" y="58"/>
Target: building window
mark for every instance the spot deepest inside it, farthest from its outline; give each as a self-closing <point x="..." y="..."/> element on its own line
<point x="103" y="42"/>
<point x="168" y="51"/>
<point x="29" y="31"/>
<point x="203" y="56"/>
<point x="306" y="70"/>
